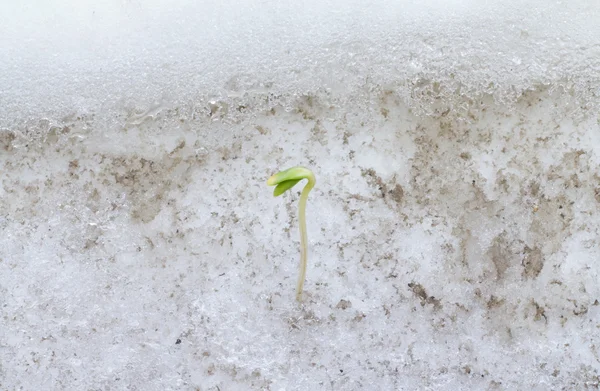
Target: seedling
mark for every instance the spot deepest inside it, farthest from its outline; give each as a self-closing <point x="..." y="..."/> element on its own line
<point x="284" y="181"/>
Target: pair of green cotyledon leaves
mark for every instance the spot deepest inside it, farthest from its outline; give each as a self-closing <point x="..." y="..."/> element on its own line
<point x="284" y="181"/>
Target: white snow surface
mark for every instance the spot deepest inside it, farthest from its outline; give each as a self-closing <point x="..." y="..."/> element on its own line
<point x="453" y="231"/>
<point x="65" y="56"/>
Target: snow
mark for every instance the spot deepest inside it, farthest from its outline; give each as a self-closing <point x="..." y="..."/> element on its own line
<point x="453" y="230"/>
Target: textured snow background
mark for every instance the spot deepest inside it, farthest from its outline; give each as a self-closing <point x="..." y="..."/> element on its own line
<point x="453" y="229"/>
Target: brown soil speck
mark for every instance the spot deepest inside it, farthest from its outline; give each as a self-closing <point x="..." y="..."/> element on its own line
<point x="421" y="293"/>
<point x="494" y="302"/>
<point x="533" y="263"/>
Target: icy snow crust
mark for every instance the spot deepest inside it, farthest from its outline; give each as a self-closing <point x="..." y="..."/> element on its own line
<point x="70" y="57"/>
<point x="453" y="230"/>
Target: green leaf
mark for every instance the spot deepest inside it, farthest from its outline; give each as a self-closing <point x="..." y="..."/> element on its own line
<point x="294" y="173"/>
<point x="284" y="186"/>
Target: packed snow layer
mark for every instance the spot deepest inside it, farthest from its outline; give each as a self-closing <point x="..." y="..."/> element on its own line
<point x="453" y="230"/>
<point x="445" y="253"/>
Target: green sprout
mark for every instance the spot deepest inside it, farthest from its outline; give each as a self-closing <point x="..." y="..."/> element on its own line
<point x="285" y="180"/>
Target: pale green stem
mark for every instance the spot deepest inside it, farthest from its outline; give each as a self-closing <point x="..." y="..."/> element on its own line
<point x="284" y="181"/>
<point x="303" y="236"/>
